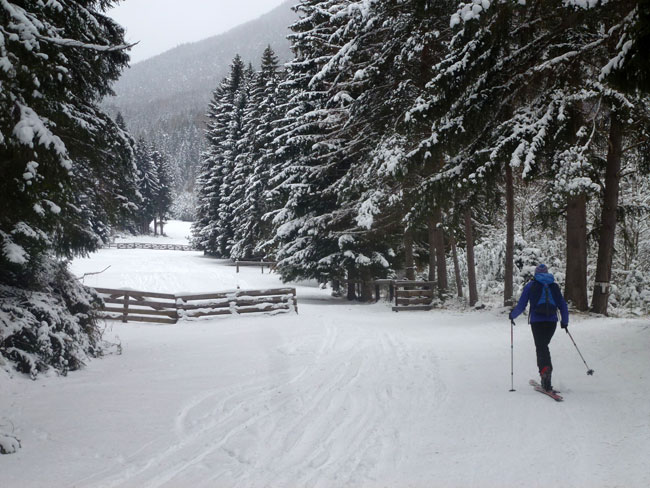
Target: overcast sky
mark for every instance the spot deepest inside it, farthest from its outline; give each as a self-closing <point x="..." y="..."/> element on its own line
<point x="160" y="25"/>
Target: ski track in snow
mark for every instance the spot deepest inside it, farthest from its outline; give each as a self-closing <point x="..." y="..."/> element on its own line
<point x="331" y="421"/>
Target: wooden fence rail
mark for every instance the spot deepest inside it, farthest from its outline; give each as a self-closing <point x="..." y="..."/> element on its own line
<point x="378" y="284"/>
<point x="150" y="245"/>
<point x="143" y="306"/>
<point x="413" y="295"/>
<point x="270" y="264"/>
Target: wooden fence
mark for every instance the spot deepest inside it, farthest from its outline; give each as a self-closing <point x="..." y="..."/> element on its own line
<point x="159" y="247"/>
<point x="143" y="306"/>
<point x="270" y="264"/>
<point x="408" y="295"/>
<point x="378" y="284"/>
<point x="413" y="295"/>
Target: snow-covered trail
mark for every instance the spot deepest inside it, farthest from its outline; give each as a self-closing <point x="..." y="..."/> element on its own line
<point x="340" y="395"/>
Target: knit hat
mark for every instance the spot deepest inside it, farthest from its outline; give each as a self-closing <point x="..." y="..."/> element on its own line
<point x="541" y="269"/>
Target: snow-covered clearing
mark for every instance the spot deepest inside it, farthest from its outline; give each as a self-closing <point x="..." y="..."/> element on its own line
<point x="340" y="395"/>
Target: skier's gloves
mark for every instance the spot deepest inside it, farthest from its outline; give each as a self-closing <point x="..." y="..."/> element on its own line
<point x="510" y="315"/>
<point x="564" y="325"/>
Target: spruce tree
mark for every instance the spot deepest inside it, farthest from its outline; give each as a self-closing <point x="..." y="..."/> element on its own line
<point x="256" y="158"/>
<point x="165" y="185"/>
<point x="308" y="241"/>
<point x="213" y="230"/>
<point x="148" y="184"/>
<point x="68" y="172"/>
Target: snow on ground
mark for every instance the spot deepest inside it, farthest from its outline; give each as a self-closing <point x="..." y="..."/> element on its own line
<point x="175" y="232"/>
<point x="166" y="271"/>
<point x="340" y="395"/>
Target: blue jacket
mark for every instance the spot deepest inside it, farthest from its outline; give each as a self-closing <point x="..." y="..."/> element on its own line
<point x="544" y="278"/>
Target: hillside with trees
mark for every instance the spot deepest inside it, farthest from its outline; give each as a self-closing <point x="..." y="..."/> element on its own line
<point x="170" y="111"/>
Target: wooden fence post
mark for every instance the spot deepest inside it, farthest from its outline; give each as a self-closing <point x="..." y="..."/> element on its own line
<point x="126" y="307"/>
<point x="179" y="304"/>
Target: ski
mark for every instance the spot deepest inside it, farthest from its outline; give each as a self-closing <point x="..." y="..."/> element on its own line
<point x="553" y="394"/>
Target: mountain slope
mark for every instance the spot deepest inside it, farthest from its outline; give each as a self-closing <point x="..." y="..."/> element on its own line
<point x="164" y="98"/>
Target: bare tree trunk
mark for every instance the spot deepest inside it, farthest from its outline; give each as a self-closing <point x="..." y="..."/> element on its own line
<point x="575" y="287"/>
<point x="510" y="238"/>
<point x="409" y="264"/>
<point x="432" y="248"/>
<point x="454" y="254"/>
<point x="471" y="267"/>
<point x="608" y="218"/>
<point x="441" y="260"/>
<point x="155" y="226"/>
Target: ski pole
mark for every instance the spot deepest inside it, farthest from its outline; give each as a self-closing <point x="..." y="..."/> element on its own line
<point x="512" y="356"/>
<point x="589" y="370"/>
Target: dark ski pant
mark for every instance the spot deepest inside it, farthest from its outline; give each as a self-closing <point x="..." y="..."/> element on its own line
<point x="543" y="333"/>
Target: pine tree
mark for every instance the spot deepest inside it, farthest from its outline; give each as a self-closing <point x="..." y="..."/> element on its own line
<point x="165" y="184"/>
<point x="242" y="166"/>
<point x="213" y="230"/>
<point x="312" y="238"/>
<point x="256" y="159"/>
<point x="68" y="173"/>
<point x="387" y="64"/>
<point x="148" y="184"/>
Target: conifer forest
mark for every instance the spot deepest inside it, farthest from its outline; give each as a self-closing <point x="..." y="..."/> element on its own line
<point x="461" y="143"/>
<point x="419" y="137"/>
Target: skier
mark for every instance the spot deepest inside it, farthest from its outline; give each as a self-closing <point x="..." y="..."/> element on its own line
<point x="545" y="298"/>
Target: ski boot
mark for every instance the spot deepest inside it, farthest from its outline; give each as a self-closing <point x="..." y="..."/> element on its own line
<point x="545" y="374"/>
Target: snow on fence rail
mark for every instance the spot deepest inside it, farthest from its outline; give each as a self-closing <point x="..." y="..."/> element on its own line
<point x="148" y="245"/>
<point x="143" y="306"/>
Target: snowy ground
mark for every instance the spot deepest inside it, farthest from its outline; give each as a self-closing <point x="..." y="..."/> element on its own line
<point x="340" y="395"/>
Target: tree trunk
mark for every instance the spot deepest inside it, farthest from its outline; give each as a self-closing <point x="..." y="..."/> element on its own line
<point x="575" y="286"/>
<point x="510" y="238"/>
<point x="471" y="267"/>
<point x="336" y="288"/>
<point x="432" y="248"/>
<point x="409" y="265"/>
<point x="441" y="260"/>
<point x="608" y="218"/>
<point x="367" y="286"/>
<point x="352" y="289"/>
<point x="155" y="226"/>
<point x="454" y="254"/>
